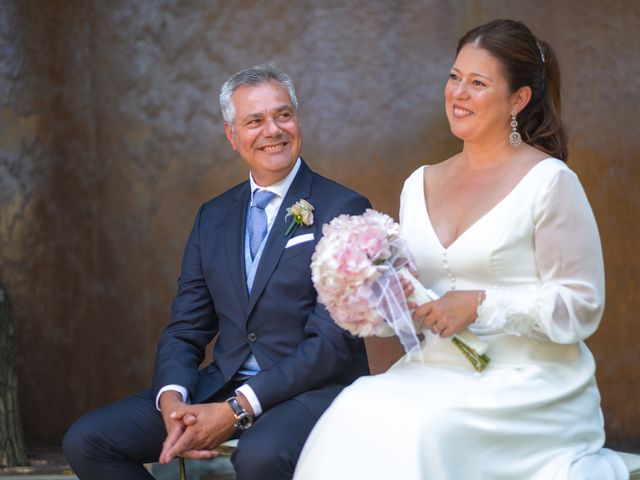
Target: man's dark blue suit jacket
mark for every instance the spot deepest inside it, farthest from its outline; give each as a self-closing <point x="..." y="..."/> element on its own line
<point x="301" y="352"/>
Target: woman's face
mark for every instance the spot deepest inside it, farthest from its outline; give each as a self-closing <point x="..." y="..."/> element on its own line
<point x="477" y="97"/>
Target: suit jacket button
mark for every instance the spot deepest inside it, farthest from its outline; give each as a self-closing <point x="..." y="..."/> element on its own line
<point x="252" y="337"/>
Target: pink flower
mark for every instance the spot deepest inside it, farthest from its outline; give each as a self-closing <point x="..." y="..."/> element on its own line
<point x="347" y="261"/>
<point x="355" y="269"/>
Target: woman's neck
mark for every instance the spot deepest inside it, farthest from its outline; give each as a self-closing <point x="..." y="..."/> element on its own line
<point x="484" y="155"/>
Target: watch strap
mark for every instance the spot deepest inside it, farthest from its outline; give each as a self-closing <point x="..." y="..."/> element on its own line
<point x="243" y="418"/>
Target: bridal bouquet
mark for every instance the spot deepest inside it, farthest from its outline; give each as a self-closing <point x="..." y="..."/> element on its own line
<point x="356" y="269"/>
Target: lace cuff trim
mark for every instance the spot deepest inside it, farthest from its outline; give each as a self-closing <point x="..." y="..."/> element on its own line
<point x="516" y="312"/>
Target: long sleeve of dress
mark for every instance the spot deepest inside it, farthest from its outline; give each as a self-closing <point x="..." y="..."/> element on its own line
<point x="568" y="302"/>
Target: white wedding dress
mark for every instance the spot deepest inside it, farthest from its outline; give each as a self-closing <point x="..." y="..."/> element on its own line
<point x="534" y="413"/>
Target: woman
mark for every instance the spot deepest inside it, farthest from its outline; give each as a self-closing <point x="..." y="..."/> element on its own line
<point x="504" y="233"/>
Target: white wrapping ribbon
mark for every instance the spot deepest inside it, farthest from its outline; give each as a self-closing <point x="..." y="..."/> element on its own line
<point x="387" y="297"/>
<point x="389" y="301"/>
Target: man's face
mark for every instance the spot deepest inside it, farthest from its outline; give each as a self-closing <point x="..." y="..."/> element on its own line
<point x="265" y="131"/>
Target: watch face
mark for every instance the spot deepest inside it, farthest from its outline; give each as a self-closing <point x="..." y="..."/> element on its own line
<point x="243" y="421"/>
<point x="243" y="418"/>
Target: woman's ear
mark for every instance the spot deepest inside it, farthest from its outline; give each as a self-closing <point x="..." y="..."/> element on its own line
<point x="520" y="99"/>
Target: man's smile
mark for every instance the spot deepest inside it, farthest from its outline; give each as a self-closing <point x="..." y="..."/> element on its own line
<point x="273" y="148"/>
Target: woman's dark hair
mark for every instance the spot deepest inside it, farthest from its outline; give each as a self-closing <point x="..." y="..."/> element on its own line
<point x="527" y="61"/>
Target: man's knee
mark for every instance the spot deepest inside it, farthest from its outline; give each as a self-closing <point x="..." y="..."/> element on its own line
<point x="269" y="450"/>
<point x="265" y="460"/>
<point x="77" y="442"/>
<point x="90" y="438"/>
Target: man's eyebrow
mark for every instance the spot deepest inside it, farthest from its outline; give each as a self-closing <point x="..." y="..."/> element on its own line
<point x="252" y="115"/>
<point x="277" y="110"/>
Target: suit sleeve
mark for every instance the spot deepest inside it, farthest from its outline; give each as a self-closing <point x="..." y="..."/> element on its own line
<point x="192" y="325"/>
<point x="326" y="351"/>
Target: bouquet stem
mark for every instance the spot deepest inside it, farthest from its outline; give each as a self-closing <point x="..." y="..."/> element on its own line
<point x="479" y="361"/>
<point x="467" y="342"/>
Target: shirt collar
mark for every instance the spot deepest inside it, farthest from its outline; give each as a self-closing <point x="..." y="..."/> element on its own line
<point x="281" y="187"/>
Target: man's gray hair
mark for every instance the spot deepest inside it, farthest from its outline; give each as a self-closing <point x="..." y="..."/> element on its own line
<point x="253" y="76"/>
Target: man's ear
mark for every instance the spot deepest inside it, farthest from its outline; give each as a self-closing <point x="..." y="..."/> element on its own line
<point x="229" y="132"/>
<point x="521" y="99"/>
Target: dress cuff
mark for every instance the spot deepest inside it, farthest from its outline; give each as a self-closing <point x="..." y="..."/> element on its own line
<point x="515" y="312"/>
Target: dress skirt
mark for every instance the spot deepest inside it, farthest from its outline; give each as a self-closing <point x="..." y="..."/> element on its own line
<point x="434" y="417"/>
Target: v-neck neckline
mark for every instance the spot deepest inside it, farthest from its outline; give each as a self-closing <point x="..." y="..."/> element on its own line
<point x="481" y="217"/>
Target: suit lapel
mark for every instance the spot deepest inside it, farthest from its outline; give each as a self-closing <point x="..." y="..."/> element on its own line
<point x="235" y="231"/>
<point x="300" y="188"/>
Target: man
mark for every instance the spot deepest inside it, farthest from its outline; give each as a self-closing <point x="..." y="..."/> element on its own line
<point x="279" y="360"/>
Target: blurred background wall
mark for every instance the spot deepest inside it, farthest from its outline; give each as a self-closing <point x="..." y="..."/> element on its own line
<point x="110" y="139"/>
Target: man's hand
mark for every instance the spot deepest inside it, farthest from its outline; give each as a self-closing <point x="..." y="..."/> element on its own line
<point x="205" y="427"/>
<point x="169" y="402"/>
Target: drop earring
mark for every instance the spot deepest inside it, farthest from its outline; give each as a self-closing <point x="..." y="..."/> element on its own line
<point x="514" y="137"/>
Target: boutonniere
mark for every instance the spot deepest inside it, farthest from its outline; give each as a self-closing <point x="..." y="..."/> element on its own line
<point x="302" y="213"/>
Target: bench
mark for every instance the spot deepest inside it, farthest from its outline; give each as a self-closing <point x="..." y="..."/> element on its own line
<point x="632" y="460"/>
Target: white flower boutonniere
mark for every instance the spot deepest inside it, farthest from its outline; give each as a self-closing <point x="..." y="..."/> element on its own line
<point x="302" y="213"/>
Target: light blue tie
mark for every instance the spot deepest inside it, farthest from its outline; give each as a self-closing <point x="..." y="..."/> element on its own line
<point x="257" y="221"/>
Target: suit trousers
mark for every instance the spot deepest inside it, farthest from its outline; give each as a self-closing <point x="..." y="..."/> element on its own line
<point x="114" y="441"/>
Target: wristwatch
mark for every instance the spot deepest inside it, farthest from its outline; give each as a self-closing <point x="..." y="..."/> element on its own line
<point x="243" y="418"/>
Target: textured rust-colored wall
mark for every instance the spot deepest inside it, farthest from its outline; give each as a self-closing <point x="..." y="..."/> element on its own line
<point x="110" y="138"/>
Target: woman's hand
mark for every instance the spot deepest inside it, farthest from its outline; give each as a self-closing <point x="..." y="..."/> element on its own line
<point x="451" y="313"/>
<point x="408" y="288"/>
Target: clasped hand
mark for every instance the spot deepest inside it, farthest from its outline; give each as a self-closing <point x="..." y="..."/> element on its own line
<point x="448" y="315"/>
<point x="193" y="431"/>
